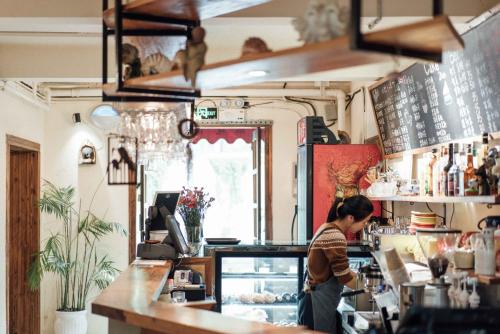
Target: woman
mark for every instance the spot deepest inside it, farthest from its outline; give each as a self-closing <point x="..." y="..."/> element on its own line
<point x="327" y="262"/>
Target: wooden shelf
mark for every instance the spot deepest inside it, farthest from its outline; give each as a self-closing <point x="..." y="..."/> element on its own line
<point x="441" y="199"/>
<point x="436" y="35"/>
<point x="193" y="10"/>
<point x="329" y="55"/>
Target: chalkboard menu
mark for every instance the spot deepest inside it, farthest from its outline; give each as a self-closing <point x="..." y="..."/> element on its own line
<point x="436" y="103"/>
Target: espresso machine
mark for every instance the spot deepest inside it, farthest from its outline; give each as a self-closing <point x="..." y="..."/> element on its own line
<point x="438" y="246"/>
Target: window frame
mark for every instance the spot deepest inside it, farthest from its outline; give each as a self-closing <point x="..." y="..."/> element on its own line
<point x="266" y="136"/>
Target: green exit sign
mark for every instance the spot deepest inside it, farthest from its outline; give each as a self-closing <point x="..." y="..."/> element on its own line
<point x="206" y="113"/>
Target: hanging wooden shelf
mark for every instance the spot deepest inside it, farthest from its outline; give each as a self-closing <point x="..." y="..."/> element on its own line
<point x="435" y="35"/>
<point x="189" y="10"/>
<point x="441" y="199"/>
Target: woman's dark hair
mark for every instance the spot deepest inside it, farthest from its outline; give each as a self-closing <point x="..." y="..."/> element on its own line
<point x="357" y="206"/>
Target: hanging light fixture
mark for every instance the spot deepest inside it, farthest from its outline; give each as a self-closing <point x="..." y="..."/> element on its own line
<point x="157" y="133"/>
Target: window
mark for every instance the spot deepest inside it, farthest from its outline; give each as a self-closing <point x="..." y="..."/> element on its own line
<point x="224" y="162"/>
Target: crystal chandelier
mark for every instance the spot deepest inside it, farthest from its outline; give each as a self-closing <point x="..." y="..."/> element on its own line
<point x="157" y="133"/>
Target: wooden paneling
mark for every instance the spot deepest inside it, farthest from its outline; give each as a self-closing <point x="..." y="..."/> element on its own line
<point x="23" y="234"/>
<point x="132" y="299"/>
<point x="268" y="174"/>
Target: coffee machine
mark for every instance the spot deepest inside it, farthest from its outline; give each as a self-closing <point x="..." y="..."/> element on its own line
<point x="438" y="246"/>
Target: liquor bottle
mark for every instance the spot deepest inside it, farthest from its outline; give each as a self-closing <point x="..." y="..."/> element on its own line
<point x="436" y="174"/>
<point x="484" y="148"/>
<point x="429" y="182"/>
<point x="442" y="178"/>
<point x="475" y="162"/>
<point x="462" y="166"/>
<point x="446" y="169"/>
<point x="453" y="173"/>
<point x="470" y="173"/>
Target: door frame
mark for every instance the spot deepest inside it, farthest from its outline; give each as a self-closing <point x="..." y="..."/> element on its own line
<point x="14" y="143"/>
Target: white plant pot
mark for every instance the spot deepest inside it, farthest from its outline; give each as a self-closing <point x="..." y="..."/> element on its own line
<point x="71" y="322"/>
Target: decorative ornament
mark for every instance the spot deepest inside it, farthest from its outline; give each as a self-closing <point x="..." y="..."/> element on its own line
<point x="155" y="64"/>
<point x="87" y="154"/>
<point x="344" y="137"/>
<point x="122" y="160"/>
<point x="192" y="58"/>
<point x="131" y="62"/>
<point x="254" y="45"/>
<point x="324" y="20"/>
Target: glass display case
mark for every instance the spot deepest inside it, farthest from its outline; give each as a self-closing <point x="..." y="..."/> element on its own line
<point x="261" y="281"/>
<point x="259" y="285"/>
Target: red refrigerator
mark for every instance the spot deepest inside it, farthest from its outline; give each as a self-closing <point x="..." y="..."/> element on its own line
<point x="327" y="171"/>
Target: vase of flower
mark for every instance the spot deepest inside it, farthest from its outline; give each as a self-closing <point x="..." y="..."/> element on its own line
<point x="193" y="203"/>
<point x="194" y="237"/>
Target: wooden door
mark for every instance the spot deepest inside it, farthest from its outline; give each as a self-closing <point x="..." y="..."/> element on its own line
<point x="23" y="235"/>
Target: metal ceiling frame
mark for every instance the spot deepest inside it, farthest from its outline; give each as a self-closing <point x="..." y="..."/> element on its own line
<point x="358" y="42"/>
<point x="142" y="94"/>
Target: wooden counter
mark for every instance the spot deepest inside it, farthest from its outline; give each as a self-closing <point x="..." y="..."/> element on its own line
<point x="132" y="299"/>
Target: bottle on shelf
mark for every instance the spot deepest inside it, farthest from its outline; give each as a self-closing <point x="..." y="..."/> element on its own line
<point x="446" y="169"/>
<point x="453" y="172"/>
<point x="484" y="148"/>
<point x="429" y="176"/>
<point x="462" y="166"/>
<point x="436" y="174"/>
<point x="470" y="182"/>
<point x="475" y="161"/>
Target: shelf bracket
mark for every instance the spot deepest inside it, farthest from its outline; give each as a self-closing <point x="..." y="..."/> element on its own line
<point x="358" y="42"/>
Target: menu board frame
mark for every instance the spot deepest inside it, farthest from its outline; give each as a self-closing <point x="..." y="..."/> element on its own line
<point x="408" y="135"/>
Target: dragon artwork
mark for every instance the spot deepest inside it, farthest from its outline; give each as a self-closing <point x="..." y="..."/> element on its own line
<point x="347" y="174"/>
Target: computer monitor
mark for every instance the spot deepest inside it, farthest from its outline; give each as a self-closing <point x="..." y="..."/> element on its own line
<point x="174" y="232"/>
<point x="168" y="199"/>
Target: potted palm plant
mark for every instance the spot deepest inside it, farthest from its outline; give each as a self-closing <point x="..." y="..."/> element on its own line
<point x="71" y="255"/>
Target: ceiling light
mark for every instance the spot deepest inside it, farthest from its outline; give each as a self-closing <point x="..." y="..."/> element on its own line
<point x="258" y="73"/>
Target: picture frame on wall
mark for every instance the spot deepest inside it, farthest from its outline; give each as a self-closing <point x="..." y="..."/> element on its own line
<point x="87" y="155"/>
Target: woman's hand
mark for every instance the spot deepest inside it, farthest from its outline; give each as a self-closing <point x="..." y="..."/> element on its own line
<point x="352" y="283"/>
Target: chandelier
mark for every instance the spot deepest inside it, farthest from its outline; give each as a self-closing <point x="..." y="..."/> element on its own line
<point x="157" y="134"/>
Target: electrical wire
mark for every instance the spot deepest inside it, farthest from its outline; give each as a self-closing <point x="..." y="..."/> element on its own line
<point x="452" y="214"/>
<point x="390" y="212"/>
<point x="428" y="207"/>
<point x="303" y="101"/>
<point x="350" y="98"/>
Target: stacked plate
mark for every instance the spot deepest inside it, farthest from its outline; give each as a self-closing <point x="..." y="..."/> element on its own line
<point x="422" y="220"/>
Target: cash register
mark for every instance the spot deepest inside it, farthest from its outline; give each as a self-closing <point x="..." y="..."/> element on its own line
<point x="161" y="216"/>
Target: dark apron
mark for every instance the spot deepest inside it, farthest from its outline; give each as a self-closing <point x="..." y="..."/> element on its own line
<point x="325" y="299"/>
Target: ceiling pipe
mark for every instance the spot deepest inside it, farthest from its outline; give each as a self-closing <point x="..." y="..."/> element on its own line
<point x="338" y="94"/>
<point x="24" y="94"/>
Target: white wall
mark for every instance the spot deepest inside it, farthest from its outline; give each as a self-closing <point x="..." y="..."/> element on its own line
<point x="466" y="214"/>
<point x="62" y="141"/>
<point x="21" y="119"/>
